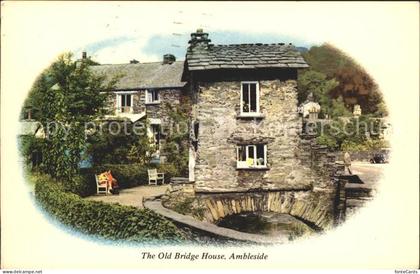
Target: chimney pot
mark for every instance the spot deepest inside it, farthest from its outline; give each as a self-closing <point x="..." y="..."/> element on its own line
<point x="199" y="38"/>
<point x="168" y="59"/>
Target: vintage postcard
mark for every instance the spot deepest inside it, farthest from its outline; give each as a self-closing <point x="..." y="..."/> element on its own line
<point x="209" y="135"/>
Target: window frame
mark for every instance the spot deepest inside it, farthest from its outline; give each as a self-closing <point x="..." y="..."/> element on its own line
<point x="243" y="164"/>
<point x="119" y="107"/>
<point x="257" y="95"/>
<point x="147" y="96"/>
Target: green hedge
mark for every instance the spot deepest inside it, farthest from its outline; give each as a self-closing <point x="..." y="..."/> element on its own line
<point x="130" y="175"/>
<point x="107" y="221"/>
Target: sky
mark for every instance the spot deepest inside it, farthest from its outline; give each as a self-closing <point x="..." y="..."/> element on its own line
<point x="121" y="49"/>
<point x="146" y="38"/>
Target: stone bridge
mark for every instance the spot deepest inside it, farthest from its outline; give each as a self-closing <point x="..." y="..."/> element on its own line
<point x="315" y="207"/>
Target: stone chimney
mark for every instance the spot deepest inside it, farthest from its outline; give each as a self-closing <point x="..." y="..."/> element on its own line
<point x="168" y="59"/>
<point x="199" y="39"/>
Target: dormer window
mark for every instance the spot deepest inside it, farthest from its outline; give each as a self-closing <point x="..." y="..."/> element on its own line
<point x="250" y="98"/>
<point x="124" y="103"/>
<point x="152" y="96"/>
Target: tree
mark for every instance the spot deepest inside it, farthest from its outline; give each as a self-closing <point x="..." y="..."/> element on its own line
<point x="338" y="108"/>
<point x="142" y="149"/>
<point x="67" y="96"/>
<point x="321" y="87"/>
<point x="120" y="142"/>
<point x="355" y="84"/>
<point x="351" y="133"/>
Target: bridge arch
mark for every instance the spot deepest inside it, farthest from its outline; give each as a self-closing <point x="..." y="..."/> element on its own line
<point x="313" y="207"/>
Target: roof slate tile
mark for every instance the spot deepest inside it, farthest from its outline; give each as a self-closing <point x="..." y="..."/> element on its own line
<point x="243" y="56"/>
<point x="143" y="75"/>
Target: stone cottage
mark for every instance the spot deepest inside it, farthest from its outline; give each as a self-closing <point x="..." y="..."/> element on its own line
<point x="246" y="129"/>
<point x="142" y="90"/>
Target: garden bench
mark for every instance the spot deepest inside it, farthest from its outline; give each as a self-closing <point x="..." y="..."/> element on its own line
<point x="154" y="176"/>
<point x="101" y="189"/>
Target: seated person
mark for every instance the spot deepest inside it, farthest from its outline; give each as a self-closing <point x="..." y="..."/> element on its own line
<point x="103" y="178"/>
<point x="112" y="182"/>
<point x="109" y="180"/>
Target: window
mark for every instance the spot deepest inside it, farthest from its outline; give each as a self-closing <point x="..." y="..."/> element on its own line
<point x="250" y="98"/>
<point x="152" y="96"/>
<point x="124" y="103"/>
<point x="251" y="156"/>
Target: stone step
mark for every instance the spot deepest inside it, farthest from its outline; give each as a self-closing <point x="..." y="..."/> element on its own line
<point x="358" y="192"/>
<point x="180" y="180"/>
<point x="352" y="203"/>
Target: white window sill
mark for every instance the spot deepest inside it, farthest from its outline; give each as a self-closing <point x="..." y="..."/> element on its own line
<point x="153" y="103"/>
<point x="253" y="168"/>
<point x="250" y="115"/>
<point x="122" y="113"/>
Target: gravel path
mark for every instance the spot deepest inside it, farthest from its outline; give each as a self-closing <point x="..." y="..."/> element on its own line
<point x="131" y="196"/>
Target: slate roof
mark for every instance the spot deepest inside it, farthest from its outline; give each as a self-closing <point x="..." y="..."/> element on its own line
<point x="143" y="75"/>
<point x="244" y="56"/>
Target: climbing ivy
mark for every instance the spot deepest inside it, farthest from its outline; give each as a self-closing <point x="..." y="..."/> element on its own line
<point x="177" y="146"/>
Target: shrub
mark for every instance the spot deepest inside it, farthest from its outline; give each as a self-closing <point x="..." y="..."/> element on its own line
<point x="124" y="147"/>
<point x="107" y="221"/>
<point x="189" y="206"/>
<point x="83" y="184"/>
<point x="368" y="145"/>
<point x="170" y="171"/>
<point x="352" y="134"/>
<point x="29" y="146"/>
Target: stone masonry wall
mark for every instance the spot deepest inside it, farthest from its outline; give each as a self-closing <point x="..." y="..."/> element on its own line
<point x="220" y="130"/>
<point x="158" y="111"/>
<point x="138" y="102"/>
<point x="315" y="207"/>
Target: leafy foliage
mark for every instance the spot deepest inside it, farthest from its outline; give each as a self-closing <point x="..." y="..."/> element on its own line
<point x="177" y="147"/>
<point x="354" y="84"/>
<point x="29" y="144"/>
<point x="120" y="142"/>
<point x="66" y="96"/>
<point x="351" y="134"/>
<point x="188" y="206"/>
<point x="321" y="87"/>
<point x="108" y="221"/>
<point x="338" y="108"/>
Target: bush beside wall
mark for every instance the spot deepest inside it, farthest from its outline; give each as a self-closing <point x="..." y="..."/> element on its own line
<point x="107" y="221"/>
